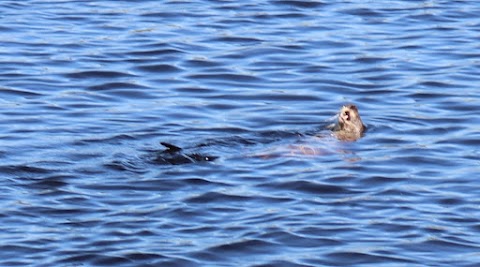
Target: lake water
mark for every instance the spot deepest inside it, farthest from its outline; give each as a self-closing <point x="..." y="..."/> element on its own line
<point x="89" y="89"/>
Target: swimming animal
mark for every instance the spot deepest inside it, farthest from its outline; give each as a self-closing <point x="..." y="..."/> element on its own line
<point x="349" y="127"/>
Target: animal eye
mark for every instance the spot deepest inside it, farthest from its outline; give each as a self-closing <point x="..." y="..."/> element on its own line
<point x="347" y="113"/>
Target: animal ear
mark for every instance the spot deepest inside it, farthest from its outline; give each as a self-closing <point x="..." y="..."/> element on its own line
<point x="353" y="107"/>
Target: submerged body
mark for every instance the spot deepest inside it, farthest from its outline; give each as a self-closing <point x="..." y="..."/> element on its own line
<point x="348" y="127"/>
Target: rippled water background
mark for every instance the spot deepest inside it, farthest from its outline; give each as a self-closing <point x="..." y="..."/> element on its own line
<point x="88" y="89"/>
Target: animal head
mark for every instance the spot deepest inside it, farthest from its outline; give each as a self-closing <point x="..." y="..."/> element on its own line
<point x="349" y="121"/>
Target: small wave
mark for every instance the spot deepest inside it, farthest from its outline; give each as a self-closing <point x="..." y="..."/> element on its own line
<point x="96" y="74"/>
<point x="299" y="3"/>
<point x="18" y="92"/>
<point x="115" y="85"/>
<point x="159" y="68"/>
<point x="309" y="187"/>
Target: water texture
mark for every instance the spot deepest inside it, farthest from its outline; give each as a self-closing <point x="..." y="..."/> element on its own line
<point x="89" y="89"/>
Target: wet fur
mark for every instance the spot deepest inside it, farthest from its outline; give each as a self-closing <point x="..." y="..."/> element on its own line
<point x="350" y="126"/>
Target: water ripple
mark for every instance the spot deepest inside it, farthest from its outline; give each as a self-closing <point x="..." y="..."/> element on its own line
<point x="90" y="90"/>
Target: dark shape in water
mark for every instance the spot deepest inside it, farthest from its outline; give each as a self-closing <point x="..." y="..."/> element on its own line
<point x="173" y="155"/>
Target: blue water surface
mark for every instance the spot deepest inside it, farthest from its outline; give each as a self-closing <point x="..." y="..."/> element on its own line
<point x="89" y="89"/>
